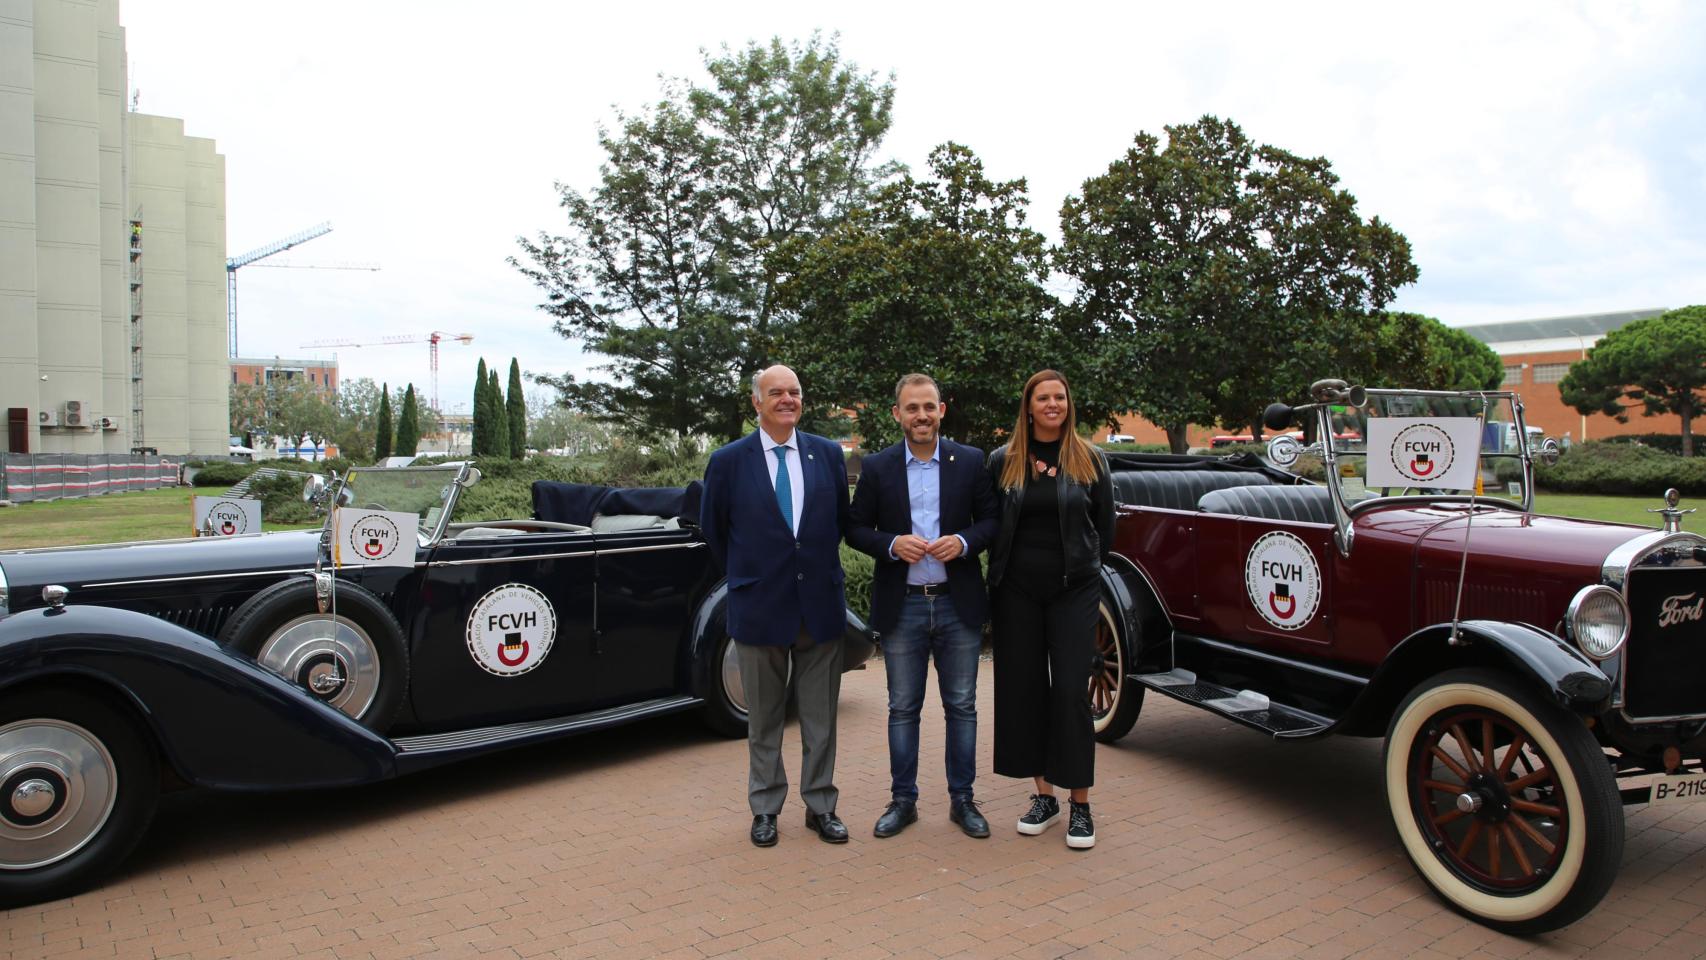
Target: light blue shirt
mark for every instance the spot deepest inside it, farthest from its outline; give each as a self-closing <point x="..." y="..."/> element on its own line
<point x="924" y="496"/>
<point x="796" y="476"/>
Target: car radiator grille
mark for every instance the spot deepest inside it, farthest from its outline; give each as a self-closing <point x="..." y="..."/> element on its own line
<point x="1666" y="660"/>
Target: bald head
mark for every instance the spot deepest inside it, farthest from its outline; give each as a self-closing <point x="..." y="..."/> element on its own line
<point x="777" y="398"/>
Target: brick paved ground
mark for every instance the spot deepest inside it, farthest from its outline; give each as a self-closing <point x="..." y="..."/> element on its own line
<point x="1214" y="842"/>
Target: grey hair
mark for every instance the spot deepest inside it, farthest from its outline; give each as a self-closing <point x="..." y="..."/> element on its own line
<point x="915" y="380"/>
<point x="756" y="394"/>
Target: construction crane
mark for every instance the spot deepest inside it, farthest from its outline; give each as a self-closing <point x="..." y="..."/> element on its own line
<point x="433" y="339"/>
<point x="259" y="253"/>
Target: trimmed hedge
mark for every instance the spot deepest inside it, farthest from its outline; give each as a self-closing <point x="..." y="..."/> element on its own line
<point x="222" y="474"/>
<point x="1622" y="469"/>
<point x="1668" y="442"/>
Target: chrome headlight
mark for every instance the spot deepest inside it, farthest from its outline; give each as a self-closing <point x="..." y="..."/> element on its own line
<point x="1598" y="621"/>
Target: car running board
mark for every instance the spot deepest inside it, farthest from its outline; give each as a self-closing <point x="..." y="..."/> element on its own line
<point x="1248" y="707"/>
<point x="427" y="750"/>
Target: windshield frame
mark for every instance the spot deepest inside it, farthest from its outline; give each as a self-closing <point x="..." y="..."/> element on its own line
<point x="466" y="475"/>
<point x="1345" y="511"/>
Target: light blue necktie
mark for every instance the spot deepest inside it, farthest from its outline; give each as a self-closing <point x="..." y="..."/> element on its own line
<point x="784" y="489"/>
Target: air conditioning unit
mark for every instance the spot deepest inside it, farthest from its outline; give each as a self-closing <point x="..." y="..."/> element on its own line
<point x="76" y="414"/>
<point x="107" y="423"/>
<point x="47" y="418"/>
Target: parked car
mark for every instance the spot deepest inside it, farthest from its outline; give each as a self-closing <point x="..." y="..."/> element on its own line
<point x="250" y="664"/>
<point x="1529" y="673"/>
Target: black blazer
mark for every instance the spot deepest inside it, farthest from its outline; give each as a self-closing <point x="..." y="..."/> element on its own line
<point x="882" y="510"/>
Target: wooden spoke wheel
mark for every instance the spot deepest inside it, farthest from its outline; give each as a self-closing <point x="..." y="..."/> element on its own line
<point x="1114" y="699"/>
<point x="1504" y="802"/>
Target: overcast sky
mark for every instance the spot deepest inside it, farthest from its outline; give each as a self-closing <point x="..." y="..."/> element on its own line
<point x="1543" y="158"/>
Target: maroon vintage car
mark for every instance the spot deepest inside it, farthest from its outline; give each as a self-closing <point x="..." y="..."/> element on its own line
<point x="1530" y="674"/>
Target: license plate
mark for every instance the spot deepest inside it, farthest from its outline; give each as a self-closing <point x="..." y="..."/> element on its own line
<point x="1671" y="790"/>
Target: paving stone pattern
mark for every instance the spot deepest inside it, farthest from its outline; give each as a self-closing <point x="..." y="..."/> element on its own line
<point x="1213" y="842"/>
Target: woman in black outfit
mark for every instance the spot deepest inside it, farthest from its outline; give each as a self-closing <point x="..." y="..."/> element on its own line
<point x="1057" y="519"/>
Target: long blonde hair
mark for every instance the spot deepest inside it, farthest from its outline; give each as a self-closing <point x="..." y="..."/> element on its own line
<point x="1077" y="460"/>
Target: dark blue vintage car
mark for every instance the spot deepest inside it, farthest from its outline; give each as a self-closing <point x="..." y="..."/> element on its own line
<point x="248" y="664"/>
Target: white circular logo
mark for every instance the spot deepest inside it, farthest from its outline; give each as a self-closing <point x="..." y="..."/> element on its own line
<point x="1283" y="580"/>
<point x="1422" y="452"/>
<point x="228" y="519"/>
<point x="374" y="537"/>
<point x="511" y="630"/>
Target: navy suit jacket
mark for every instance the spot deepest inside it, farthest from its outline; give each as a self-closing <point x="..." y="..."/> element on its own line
<point x="778" y="582"/>
<point x="882" y="510"/>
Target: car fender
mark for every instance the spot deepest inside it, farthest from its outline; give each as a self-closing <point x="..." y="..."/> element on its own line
<point x="219" y="719"/>
<point x="1568" y="677"/>
<point x="1141" y="615"/>
<point x="710" y="626"/>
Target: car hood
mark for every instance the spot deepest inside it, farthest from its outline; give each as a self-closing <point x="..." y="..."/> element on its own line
<point x="1504" y="538"/>
<point x="26" y="572"/>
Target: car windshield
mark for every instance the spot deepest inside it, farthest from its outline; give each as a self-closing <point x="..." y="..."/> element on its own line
<point x="418" y="490"/>
<point x="1402" y="443"/>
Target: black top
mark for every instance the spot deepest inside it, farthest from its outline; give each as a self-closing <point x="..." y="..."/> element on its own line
<point x="1038" y="554"/>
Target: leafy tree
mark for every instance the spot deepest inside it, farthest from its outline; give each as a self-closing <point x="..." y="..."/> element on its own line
<point x="248" y="410"/>
<point x="497" y="421"/>
<point x="300" y="412"/>
<point x="408" y="424"/>
<point x="383" y="431"/>
<point x="940" y="276"/>
<point x="481" y="421"/>
<point x="357" y="409"/>
<point x="1446" y="358"/>
<point x="1221" y="274"/>
<point x="560" y="430"/>
<point x="1653" y="363"/>
<point x="515" y="407"/>
<point x="664" y="270"/>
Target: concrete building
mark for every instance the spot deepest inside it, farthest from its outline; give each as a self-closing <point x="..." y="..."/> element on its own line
<point x="112" y="249"/>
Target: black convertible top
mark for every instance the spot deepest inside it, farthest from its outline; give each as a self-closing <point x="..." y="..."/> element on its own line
<point x="578" y="503"/>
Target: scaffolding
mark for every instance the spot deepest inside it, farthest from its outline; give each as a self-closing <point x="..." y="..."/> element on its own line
<point x="136" y="331"/>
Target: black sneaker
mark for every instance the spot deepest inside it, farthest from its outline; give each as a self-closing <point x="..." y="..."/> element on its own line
<point x="1081" y="829"/>
<point x="1045" y="810"/>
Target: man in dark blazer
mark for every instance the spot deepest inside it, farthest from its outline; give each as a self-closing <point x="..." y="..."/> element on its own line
<point x="924" y="509"/>
<point x="774" y="512"/>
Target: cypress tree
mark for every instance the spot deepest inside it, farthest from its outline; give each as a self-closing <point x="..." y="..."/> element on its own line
<point x="409" y="424"/>
<point x="516" y="406"/>
<point x="481" y="447"/>
<point x="382" y="430"/>
<point x="499" y="422"/>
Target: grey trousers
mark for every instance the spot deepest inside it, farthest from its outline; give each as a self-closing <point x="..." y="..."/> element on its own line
<point x="817" y="687"/>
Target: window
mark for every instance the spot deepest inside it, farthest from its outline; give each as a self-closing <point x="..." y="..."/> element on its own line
<point x="233" y="376"/>
<point x="1513" y="377"/>
<point x="1550" y="372"/>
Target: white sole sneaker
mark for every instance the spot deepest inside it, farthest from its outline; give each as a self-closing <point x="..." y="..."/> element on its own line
<point x="1033" y="829"/>
<point x="1080" y="843"/>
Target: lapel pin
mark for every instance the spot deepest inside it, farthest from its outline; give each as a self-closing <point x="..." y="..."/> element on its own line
<point x="811" y="456"/>
<point x="950" y="458"/>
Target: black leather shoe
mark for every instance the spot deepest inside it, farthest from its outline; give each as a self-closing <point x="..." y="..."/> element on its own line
<point x="827" y="826"/>
<point x="764" y="830"/>
<point x="896" y="817"/>
<point x="965" y="813"/>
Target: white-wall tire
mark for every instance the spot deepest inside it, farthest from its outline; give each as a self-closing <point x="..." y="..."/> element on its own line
<point x="1535" y="889"/>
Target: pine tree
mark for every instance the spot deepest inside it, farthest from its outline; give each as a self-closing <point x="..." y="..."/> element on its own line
<point x="516" y="405"/>
<point x="382" y="431"/>
<point x="481" y="446"/>
<point x="499" y="422"/>
<point x="409" y="424"/>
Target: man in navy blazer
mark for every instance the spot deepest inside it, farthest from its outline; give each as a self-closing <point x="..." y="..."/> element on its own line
<point x="924" y="509"/>
<point x="774" y="512"/>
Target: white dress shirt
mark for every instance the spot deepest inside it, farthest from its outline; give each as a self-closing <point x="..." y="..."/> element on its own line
<point x="796" y="475"/>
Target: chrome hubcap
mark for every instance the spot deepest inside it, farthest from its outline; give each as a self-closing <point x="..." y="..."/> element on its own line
<point x="58" y="786"/>
<point x="335" y="660"/>
<point x="732" y="687"/>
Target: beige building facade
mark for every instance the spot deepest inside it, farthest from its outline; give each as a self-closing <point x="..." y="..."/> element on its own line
<point x="112" y="249"/>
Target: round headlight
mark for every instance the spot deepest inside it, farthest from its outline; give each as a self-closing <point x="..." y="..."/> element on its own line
<point x="1598" y="621"/>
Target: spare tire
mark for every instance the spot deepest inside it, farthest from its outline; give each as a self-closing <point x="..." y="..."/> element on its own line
<point x="355" y="662"/>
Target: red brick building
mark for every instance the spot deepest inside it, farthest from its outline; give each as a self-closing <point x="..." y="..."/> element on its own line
<point x="1537" y="354"/>
<point x="319" y="373"/>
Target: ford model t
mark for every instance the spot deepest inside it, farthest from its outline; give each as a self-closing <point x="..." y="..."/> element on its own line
<point x="1529" y="673"/>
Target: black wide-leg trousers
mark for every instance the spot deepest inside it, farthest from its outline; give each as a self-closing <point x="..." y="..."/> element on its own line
<point x="1044" y="646"/>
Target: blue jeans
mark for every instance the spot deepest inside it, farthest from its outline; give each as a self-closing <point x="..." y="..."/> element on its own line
<point x="931" y="625"/>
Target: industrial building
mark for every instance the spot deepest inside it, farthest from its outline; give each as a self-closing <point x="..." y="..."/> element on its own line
<point x="112" y="249"/>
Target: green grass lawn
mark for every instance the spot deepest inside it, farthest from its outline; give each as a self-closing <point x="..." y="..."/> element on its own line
<point x="165" y="513"/>
<point x="142" y="515"/>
